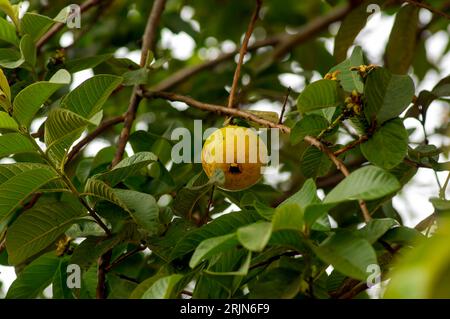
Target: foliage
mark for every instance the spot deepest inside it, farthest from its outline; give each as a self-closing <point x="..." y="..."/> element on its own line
<point x="162" y="229"/>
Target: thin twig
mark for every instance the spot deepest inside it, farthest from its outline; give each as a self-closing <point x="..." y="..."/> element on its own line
<point x="106" y="124"/>
<point x="428" y="7"/>
<point x="286" y="99"/>
<point x="59" y="26"/>
<point x="123" y="257"/>
<point x="243" y="52"/>
<point x="147" y="43"/>
<point x="351" y="145"/>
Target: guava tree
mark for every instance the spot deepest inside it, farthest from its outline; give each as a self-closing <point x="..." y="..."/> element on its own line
<point x="126" y="220"/>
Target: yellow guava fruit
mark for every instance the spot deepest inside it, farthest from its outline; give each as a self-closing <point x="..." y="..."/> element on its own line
<point x="238" y="152"/>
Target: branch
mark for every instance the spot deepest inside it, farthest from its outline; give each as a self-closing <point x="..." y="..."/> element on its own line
<point x="282" y="40"/>
<point x="94" y="134"/>
<point x="243" y="52"/>
<point x="351" y="145"/>
<point x="251" y="117"/>
<point x="58" y="26"/>
<point x="147" y="43"/>
<point x="428" y="7"/>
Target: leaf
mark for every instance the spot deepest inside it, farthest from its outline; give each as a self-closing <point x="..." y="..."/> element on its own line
<point x="387" y="95"/>
<point x="163" y="288"/>
<point x="62" y="128"/>
<point x="11" y="11"/>
<point x="350" y="80"/>
<point x="90" y="62"/>
<point x="312" y="124"/>
<point x="38" y="228"/>
<point x="127" y="167"/>
<point x="211" y="246"/>
<point x="318" y="95"/>
<point x="30" y="99"/>
<point x="8" y="32"/>
<point x="255" y="236"/>
<point x="223" y="225"/>
<point x="35" y="24"/>
<point x="17" y="188"/>
<point x="388" y="146"/>
<point x="423" y="272"/>
<point x="401" y="46"/>
<point x="35" y="277"/>
<point x="350" y="27"/>
<point x="88" y="98"/>
<point x="314" y="163"/>
<point x="142" y="207"/>
<point x="14" y="143"/>
<point x="101" y="190"/>
<point x="198" y="186"/>
<point x="376" y="228"/>
<point x="348" y="254"/>
<point x="10" y="58"/>
<point x="59" y="284"/>
<point x="7" y="123"/>
<point x="305" y="196"/>
<point x="28" y="50"/>
<point x="366" y="183"/>
<point x="90" y="249"/>
<point x="288" y="216"/>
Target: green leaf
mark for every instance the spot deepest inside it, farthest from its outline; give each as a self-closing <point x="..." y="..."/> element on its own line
<point x="211" y="246"/>
<point x="312" y="124"/>
<point x="288" y="216"/>
<point x="17" y="188"/>
<point x="142" y="207"/>
<point x="163" y="288"/>
<point x="35" y="24"/>
<point x="348" y="254"/>
<point x="376" y="228"/>
<point x="59" y="284"/>
<point x="198" y="186"/>
<point x="318" y="95"/>
<point x="350" y="80"/>
<point x="30" y="99"/>
<point x="88" y="98"/>
<point x="101" y="190"/>
<point x="7" y="123"/>
<point x="223" y="225"/>
<point x="350" y="27"/>
<point x="401" y="46"/>
<point x="90" y="249"/>
<point x="11" y="11"/>
<point x="255" y="236"/>
<point x="305" y="196"/>
<point x="388" y="146"/>
<point x="89" y="62"/>
<point x="38" y="228"/>
<point x="28" y="50"/>
<point x="314" y="163"/>
<point x="10" y="58"/>
<point x="387" y="95"/>
<point x="365" y="183"/>
<point x="35" y="277"/>
<point x="127" y="167"/>
<point x="62" y="128"/>
<point x="8" y="32"/>
<point x="14" y="143"/>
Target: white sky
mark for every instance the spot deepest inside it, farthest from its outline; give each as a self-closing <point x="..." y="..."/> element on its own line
<point x="412" y="203"/>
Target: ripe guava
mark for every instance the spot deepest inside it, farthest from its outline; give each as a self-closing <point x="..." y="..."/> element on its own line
<point x="238" y="152"/>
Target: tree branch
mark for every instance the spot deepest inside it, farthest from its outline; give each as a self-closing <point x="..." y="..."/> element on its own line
<point x="58" y="26"/>
<point x="351" y="145"/>
<point x="106" y="124"/>
<point x="428" y="7"/>
<point x="243" y="52"/>
<point x="147" y="43"/>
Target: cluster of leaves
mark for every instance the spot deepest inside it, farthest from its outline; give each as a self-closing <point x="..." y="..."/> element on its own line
<point x="56" y="210"/>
